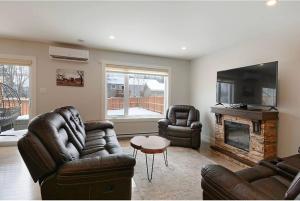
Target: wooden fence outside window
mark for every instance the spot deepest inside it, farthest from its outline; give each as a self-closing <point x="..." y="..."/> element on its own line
<point x="24" y="105"/>
<point x="152" y="103"/>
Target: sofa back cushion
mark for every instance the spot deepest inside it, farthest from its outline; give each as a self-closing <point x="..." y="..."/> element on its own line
<point x="182" y="115"/>
<point x="77" y="116"/>
<point x="294" y="189"/>
<point x="74" y="124"/>
<point x="54" y="133"/>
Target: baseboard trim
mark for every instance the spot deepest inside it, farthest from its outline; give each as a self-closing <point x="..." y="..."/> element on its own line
<point x="130" y="135"/>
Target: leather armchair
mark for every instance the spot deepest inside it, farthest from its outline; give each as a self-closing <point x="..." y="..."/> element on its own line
<point x="181" y="126"/>
<point x="75" y="160"/>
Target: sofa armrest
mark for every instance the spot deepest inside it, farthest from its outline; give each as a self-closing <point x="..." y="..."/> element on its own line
<point x="164" y="122"/>
<point x="92" y="125"/>
<point x="294" y="190"/>
<point x="97" y="168"/>
<point x="227" y="184"/>
<point x="196" y="125"/>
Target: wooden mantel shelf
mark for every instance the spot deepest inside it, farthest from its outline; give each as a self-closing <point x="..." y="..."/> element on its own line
<point x="248" y="114"/>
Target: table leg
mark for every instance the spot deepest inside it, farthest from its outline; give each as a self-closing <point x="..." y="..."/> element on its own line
<point x="149" y="177"/>
<point x="166" y="158"/>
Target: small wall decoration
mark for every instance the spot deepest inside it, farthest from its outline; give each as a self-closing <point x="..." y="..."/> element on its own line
<point x="66" y="77"/>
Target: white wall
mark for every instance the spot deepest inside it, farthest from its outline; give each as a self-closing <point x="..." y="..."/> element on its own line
<point x="270" y="48"/>
<point x="89" y="99"/>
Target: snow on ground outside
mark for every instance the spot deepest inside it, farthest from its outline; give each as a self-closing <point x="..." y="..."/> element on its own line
<point x="23" y="117"/>
<point x="133" y="111"/>
<point x="11" y="137"/>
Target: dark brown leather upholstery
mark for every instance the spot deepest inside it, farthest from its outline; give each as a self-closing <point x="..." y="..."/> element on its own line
<point x="181" y="126"/>
<point x="265" y="181"/>
<point x="294" y="189"/>
<point x="76" y="160"/>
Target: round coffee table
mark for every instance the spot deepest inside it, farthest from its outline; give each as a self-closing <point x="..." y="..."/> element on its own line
<point x="150" y="145"/>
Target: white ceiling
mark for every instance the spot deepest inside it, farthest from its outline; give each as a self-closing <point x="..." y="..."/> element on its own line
<point x="154" y="28"/>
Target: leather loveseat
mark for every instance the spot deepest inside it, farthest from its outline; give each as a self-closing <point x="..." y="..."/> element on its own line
<point x="75" y="160"/>
<point x="269" y="180"/>
<point x="181" y="126"/>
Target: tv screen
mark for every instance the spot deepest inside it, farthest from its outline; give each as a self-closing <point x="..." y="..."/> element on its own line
<point x="251" y="85"/>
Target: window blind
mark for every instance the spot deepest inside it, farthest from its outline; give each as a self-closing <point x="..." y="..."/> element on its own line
<point x="136" y="70"/>
<point x="21" y="62"/>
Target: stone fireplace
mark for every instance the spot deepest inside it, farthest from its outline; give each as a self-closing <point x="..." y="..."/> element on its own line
<point x="245" y="135"/>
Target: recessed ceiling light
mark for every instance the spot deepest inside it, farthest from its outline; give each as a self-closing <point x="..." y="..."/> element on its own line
<point x="112" y="37"/>
<point x="271" y="2"/>
<point x="183" y="48"/>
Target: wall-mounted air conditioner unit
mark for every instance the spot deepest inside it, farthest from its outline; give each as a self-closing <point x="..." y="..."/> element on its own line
<point x="69" y="54"/>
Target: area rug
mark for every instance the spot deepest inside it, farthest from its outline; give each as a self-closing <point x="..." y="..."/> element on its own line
<point x="181" y="180"/>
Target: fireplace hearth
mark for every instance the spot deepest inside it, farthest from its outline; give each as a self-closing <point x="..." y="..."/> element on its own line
<point x="237" y="135"/>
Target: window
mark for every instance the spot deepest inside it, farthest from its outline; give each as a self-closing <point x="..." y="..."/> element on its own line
<point x="138" y="92"/>
<point x="17" y="77"/>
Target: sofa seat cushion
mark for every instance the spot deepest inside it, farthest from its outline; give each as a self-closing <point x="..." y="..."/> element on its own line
<point x="91" y="150"/>
<point x="274" y="186"/>
<point x="255" y="173"/>
<point x="179" y="131"/>
<point x="290" y="164"/>
<point x="266" y="180"/>
<point x="100" y="153"/>
<point x="180" y="141"/>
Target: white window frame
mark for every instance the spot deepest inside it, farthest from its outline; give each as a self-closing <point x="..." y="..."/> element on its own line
<point x="32" y="78"/>
<point x="125" y="118"/>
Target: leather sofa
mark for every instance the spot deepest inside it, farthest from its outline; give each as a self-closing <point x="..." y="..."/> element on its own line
<point x="269" y="180"/>
<point x="75" y="160"/>
<point x="181" y="126"/>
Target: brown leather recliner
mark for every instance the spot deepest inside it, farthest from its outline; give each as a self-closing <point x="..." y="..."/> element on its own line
<point x="181" y="126"/>
<point x="276" y="179"/>
<point x="75" y="160"/>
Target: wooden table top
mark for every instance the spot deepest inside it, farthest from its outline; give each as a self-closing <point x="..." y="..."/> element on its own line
<point x="150" y="145"/>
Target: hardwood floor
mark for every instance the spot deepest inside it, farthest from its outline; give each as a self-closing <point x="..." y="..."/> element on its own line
<point x="16" y="182"/>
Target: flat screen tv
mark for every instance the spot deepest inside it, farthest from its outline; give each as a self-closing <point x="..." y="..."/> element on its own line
<point x="252" y="85"/>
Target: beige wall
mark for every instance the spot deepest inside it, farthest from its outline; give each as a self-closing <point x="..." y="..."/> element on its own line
<point x="89" y="99"/>
<point x="285" y="49"/>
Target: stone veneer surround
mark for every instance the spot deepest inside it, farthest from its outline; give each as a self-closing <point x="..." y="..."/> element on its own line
<point x="263" y="144"/>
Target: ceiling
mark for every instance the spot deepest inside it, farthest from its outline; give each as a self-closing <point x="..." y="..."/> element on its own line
<point x="152" y="28"/>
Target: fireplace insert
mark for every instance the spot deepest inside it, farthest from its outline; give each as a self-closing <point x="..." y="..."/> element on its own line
<point x="237" y="135"/>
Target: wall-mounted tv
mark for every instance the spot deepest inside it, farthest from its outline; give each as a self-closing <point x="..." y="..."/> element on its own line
<point x="251" y="85"/>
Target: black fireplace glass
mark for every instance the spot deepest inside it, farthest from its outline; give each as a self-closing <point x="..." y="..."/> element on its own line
<point x="237" y="135"/>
